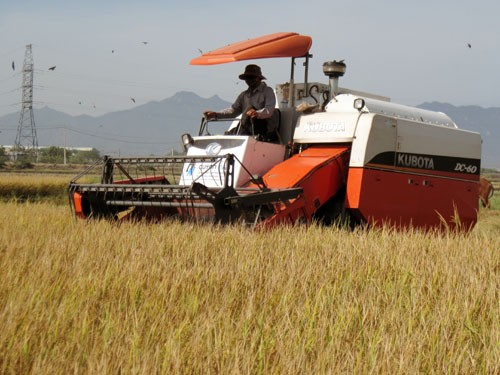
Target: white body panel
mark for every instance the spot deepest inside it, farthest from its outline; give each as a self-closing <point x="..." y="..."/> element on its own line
<point x="373" y="138"/>
<point x="257" y="157"/>
<point x="414" y="144"/>
<point x="382" y="131"/>
<point x="325" y="127"/>
<point x="415" y="137"/>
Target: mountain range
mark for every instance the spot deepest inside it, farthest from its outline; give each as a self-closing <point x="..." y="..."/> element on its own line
<point x="155" y="128"/>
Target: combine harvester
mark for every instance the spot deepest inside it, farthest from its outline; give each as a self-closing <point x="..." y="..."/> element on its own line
<point x="342" y="155"/>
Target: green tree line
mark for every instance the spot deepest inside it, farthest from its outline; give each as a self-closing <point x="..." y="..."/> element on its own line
<point x="56" y="155"/>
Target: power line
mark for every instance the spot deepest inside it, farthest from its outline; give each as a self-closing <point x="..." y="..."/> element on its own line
<point x="117" y="140"/>
<point x="15" y="75"/>
<point x="103" y="137"/>
<point x="55" y="81"/>
<point x="99" y="80"/>
<point x="10" y="91"/>
<point x="9" y="53"/>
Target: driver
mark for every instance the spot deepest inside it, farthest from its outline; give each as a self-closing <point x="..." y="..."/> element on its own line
<point x="257" y="106"/>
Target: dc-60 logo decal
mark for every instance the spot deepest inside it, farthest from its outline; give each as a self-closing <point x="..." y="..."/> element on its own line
<point x="468" y="168"/>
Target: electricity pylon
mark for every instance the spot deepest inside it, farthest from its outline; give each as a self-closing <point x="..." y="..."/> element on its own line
<point x="26" y="139"/>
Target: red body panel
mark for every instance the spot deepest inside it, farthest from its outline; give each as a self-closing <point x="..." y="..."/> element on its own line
<point x="407" y="199"/>
<point x="321" y="171"/>
<point x="78" y="205"/>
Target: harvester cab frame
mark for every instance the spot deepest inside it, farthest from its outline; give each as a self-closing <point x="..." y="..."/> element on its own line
<point x="342" y="155"/>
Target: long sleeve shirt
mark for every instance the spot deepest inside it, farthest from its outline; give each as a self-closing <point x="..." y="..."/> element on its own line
<point x="261" y="98"/>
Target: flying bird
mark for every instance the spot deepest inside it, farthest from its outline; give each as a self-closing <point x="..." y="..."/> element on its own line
<point x="132" y="99"/>
<point x="469" y="45"/>
<point x="13" y="66"/>
<point x="52" y="67"/>
<point x="112" y="51"/>
<point x="145" y="42"/>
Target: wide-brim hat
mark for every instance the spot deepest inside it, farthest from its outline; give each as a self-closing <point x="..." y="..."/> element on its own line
<point x="252" y="71"/>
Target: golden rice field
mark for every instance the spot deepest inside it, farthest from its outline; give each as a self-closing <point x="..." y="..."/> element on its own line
<point x="172" y="298"/>
<point x="36" y="187"/>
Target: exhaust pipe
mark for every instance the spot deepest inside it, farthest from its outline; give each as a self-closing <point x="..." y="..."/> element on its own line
<point x="334" y="69"/>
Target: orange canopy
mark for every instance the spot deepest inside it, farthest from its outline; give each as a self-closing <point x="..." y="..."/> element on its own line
<point x="267" y="46"/>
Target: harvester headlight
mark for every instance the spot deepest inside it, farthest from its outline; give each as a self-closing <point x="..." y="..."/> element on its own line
<point x="187" y="141"/>
<point x="359" y="103"/>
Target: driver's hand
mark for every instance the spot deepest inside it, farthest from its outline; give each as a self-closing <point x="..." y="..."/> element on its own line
<point x="252" y="113"/>
<point x="209" y="115"/>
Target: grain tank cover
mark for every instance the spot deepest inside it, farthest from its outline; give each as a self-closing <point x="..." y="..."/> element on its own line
<point x="398" y="111"/>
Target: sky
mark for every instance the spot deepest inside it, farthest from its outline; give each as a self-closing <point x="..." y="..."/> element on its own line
<point x="410" y="51"/>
